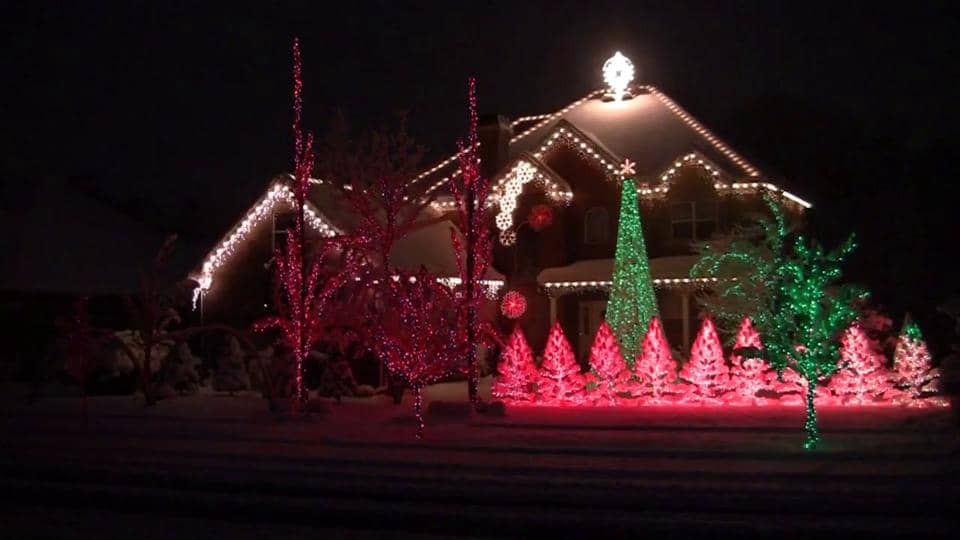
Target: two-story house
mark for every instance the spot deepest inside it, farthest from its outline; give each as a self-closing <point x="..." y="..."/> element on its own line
<point x="691" y="186"/>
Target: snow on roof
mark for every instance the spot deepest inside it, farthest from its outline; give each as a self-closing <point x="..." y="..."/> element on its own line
<point x="649" y="129"/>
<point x="661" y="268"/>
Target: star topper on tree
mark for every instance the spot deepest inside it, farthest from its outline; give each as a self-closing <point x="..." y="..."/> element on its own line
<point x="627" y="168"/>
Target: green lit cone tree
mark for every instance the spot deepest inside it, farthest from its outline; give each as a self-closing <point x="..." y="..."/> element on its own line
<point x="805" y="312"/>
<point x="632" y="301"/>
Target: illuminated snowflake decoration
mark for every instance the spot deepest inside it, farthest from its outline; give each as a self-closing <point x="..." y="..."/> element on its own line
<point x="513" y="305"/>
<point x="521" y="175"/>
<point x="617" y="73"/>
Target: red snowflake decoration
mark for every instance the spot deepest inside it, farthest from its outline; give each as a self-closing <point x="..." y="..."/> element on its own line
<point x="513" y="305"/>
<point x="541" y="216"/>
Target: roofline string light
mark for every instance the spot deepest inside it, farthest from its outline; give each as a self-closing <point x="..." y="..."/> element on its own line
<point x="555" y="288"/>
<point x="227" y="247"/>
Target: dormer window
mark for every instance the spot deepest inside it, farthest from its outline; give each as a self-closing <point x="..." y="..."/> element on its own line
<point x="693" y="220"/>
<point x="596" y="224"/>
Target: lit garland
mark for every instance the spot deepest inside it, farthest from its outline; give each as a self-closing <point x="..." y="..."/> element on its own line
<point x="516" y="373"/>
<point x="559" y="288"/>
<point x="706" y="369"/>
<point x="632" y="300"/>
<point x="508" y="191"/>
<point x="655" y="367"/>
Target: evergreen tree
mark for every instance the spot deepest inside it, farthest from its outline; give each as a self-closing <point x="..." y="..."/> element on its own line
<point x="747" y="374"/>
<point x="861" y="374"/>
<point x="607" y="363"/>
<point x="632" y="300"/>
<point x="516" y="373"/>
<point x="656" y="366"/>
<point x="912" y="361"/>
<point x="560" y="378"/>
<point x="706" y="369"/>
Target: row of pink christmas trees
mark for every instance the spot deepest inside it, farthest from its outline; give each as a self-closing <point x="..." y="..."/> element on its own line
<point x="863" y="376"/>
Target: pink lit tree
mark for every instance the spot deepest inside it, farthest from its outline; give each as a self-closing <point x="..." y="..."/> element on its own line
<point x="747" y="374"/>
<point x="417" y="341"/>
<point x="656" y="366"/>
<point x="472" y="245"/>
<point x="912" y="362"/>
<point x="299" y="298"/>
<point x="706" y="369"/>
<point x="862" y="375"/>
<point x="560" y="378"/>
<point x="607" y="364"/>
<point x="517" y="374"/>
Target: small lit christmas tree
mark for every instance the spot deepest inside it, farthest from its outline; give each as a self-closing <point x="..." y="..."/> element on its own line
<point x="632" y="300"/>
<point x="516" y="374"/>
<point x="747" y="374"/>
<point x="861" y="375"/>
<point x="655" y="366"/>
<point x="706" y="369"/>
<point x="607" y="364"/>
<point x="911" y="362"/>
<point x="560" y="378"/>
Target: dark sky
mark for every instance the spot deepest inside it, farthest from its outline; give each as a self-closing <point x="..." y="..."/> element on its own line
<point x="185" y="106"/>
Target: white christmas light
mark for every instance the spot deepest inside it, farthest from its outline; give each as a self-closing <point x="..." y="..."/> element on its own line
<point x="277" y="194"/>
<point x="618" y="72"/>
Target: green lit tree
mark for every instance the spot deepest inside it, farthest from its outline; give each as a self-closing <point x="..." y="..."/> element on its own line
<point x="632" y="301"/>
<point x="803" y="312"/>
<point x="744" y="264"/>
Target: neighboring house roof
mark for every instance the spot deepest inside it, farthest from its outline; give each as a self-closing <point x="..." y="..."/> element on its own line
<point x="60" y="240"/>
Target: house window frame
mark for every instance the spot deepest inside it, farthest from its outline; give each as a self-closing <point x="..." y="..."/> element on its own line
<point x="694" y="218"/>
<point x="590" y="223"/>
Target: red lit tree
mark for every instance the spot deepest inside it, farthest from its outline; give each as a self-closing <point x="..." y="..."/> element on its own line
<point x="470" y="190"/>
<point x="656" y="366"/>
<point x="706" y="369"/>
<point x="607" y="364"/>
<point x="417" y="341"/>
<point x="862" y="375"/>
<point x="560" y="378"/>
<point x="747" y="374"/>
<point x="912" y="362"/>
<point x="517" y="374"/>
<point x="299" y="298"/>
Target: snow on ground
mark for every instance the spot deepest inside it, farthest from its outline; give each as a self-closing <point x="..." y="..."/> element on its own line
<point x="682" y="470"/>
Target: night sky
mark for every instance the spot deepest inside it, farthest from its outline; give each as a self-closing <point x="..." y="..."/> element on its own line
<point x="180" y="111"/>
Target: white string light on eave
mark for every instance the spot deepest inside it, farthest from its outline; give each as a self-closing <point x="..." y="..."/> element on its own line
<point x="227" y="247"/>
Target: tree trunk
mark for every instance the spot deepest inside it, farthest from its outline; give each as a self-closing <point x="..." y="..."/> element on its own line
<point x="145" y="373"/>
<point x="418" y="408"/>
<point x="810" y="425"/>
<point x="473" y="370"/>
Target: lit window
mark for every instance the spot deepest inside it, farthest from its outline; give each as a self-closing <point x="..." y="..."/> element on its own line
<point x="693" y="221"/>
<point x="595" y="226"/>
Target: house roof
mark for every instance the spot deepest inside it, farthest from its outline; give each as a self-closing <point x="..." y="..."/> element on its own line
<point x="649" y="129"/>
<point x="329" y="213"/>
